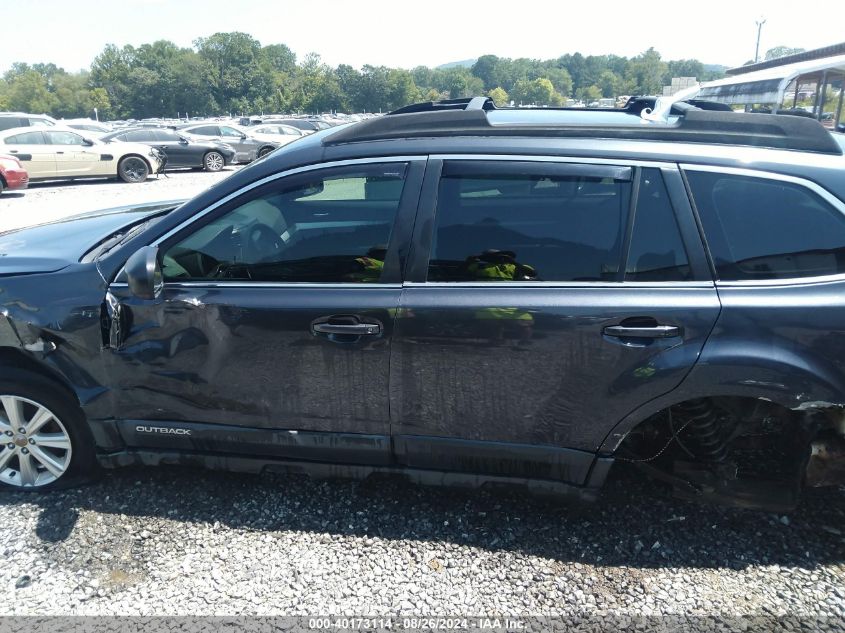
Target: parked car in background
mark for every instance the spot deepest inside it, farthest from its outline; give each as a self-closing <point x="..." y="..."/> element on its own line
<point x="13" y="175"/>
<point x="275" y="133"/>
<point x="8" y="120"/>
<point x="58" y="152"/>
<point x="247" y="149"/>
<point x="307" y="127"/>
<point x="179" y="150"/>
<point x="94" y="128"/>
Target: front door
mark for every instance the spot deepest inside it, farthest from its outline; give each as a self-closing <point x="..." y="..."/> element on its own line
<point x="546" y="300"/>
<point x="73" y="157"/>
<point x="273" y="331"/>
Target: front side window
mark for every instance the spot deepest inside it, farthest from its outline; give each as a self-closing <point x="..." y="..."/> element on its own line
<point x="228" y="131"/>
<point x="758" y="228"/>
<point x="325" y="226"/>
<point x="529" y="222"/>
<point x="64" y="138"/>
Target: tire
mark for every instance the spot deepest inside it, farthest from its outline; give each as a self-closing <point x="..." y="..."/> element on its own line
<point x="53" y="448"/>
<point x="213" y="161"/>
<point x="133" y="169"/>
<point x="2" y="185"/>
<point x="264" y="151"/>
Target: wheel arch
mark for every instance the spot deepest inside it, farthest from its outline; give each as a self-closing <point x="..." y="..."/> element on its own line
<point x="797" y="382"/>
<point x="13" y="360"/>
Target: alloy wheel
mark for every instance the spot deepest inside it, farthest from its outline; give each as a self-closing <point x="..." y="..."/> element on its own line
<point x="36" y="448"/>
<point x="134" y="169"/>
<point x="214" y="161"/>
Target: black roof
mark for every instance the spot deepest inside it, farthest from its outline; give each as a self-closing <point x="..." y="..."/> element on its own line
<point x="688" y="122"/>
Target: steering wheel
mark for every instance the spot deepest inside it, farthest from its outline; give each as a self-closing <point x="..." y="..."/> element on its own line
<point x="261" y="244"/>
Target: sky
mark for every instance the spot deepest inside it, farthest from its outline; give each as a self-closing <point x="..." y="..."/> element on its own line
<point x="70" y="34"/>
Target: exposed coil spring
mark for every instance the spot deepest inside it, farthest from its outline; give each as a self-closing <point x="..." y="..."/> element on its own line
<point x="701" y="422"/>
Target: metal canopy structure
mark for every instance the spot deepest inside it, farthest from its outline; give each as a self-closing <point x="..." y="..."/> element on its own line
<point x="780" y="87"/>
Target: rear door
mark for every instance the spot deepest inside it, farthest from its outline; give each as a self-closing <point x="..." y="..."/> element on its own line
<point x="31" y="149"/>
<point x="545" y="300"/>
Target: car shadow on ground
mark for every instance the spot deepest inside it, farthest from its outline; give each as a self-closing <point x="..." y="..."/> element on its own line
<point x="634" y="524"/>
<point x="12" y="194"/>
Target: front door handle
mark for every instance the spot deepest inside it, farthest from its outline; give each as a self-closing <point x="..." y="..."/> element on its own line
<point x="656" y="331"/>
<point x="355" y="329"/>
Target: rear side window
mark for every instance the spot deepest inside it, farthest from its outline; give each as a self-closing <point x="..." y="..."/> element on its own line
<point x="529" y="222"/>
<point x="657" y="251"/>
<point x="760" y="228"/>
<point x="138" y="136"/>
<point x="27" y="138"/>
<point x="205" y="130"/>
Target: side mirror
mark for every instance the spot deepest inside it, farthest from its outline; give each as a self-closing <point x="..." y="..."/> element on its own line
<point x="244" y="137"/>
<point x="87" y="142"/>
<point x="183" y="140"/>
<point x="143" y="273"/>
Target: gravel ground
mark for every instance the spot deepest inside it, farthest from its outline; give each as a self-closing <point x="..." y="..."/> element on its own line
<point x="49" y="201"/>
<point x="179" y="541"/>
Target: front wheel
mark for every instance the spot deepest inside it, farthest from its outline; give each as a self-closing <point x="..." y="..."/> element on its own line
<point x="45" y="443"/>
<point x="214" y="161"/>
<point x="264" y="151"/>
<point x="133" y="169"/>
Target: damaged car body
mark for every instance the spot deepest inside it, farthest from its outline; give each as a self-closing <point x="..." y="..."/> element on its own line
<point x="459" y="294"/>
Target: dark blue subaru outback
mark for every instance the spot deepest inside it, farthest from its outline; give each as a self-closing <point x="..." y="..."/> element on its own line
<point x="462" y="294"/>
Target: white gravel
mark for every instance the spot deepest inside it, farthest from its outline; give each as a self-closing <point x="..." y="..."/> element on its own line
<point x="49" y="201"/>
<point x="179" y="541"/>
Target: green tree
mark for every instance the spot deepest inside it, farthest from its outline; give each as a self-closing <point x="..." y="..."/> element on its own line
<point x="499" y="96"/>
<point x="610" y="84"/>
<point x="646" y="72"/>
<point x="28" y="92"/>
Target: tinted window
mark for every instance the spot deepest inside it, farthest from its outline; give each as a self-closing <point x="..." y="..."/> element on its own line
<point x="8" y="122"/>
<point x="35" y="122"/>
<point x="63" y="138"/>
<point x="207" y="130"/>
<point x="657" y="251"/>
<point x="163" y="136"/>
<point x="758" y="228"/>
<point x="332" y="227"/>
<point x="138" y="136"/>
<point x="27" y="138"/>
<point x="229" y="131"/>
<point x="528" y="227"/>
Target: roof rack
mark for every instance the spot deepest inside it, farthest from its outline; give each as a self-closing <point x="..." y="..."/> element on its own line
<point x="692" y="122"/>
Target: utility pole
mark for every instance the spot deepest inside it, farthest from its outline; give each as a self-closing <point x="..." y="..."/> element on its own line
<point x="759" y="24"/>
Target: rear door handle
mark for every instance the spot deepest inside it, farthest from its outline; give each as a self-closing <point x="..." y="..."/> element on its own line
<point x="355" y="329"/>
<point x="656" y="331"/>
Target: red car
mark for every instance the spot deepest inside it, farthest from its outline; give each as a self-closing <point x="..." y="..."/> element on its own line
<point x="12" y="173"/>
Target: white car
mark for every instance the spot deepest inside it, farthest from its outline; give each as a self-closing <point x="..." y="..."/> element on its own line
<point x="274" y="132"/>
<point x="58" y="152"/>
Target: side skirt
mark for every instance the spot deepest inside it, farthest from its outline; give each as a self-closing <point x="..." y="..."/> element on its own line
<point x="316" y="470"/>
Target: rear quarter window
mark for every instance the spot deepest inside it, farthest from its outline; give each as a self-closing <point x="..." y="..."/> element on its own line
<point x="760" y="228"/>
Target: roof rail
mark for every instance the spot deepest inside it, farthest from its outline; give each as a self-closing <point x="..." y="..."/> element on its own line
<point x="474" y="103"/>
<point x="691" y="124"/>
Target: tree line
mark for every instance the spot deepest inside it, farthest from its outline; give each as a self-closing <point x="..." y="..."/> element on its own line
<point x="233" y="73"/>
